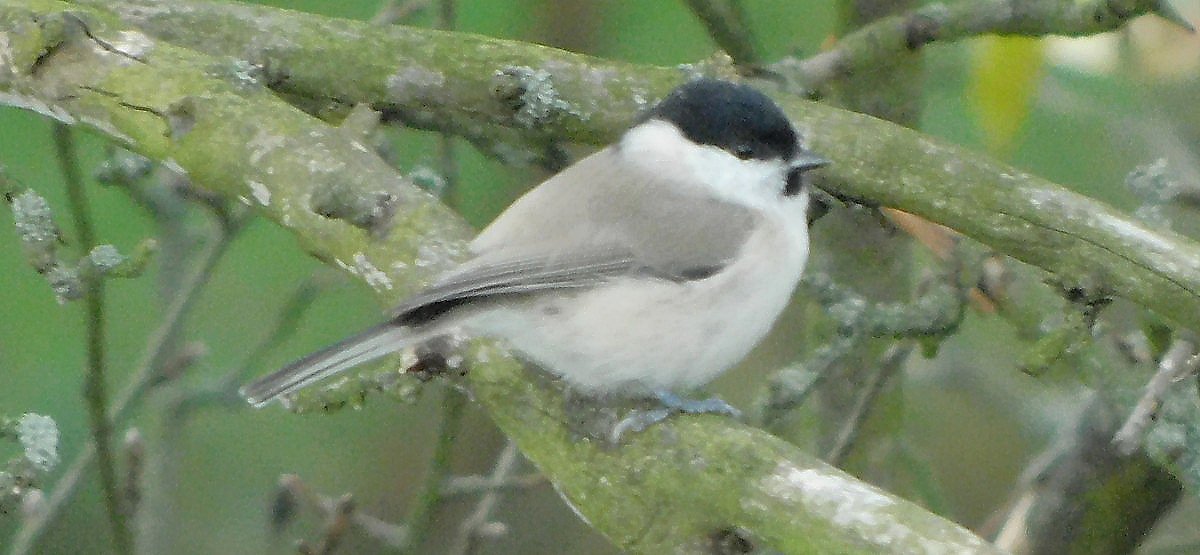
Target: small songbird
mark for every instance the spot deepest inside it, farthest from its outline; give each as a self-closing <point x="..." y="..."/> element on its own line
<point x="648" y="267"/>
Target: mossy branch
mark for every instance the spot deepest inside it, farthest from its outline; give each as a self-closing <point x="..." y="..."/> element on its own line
<point x="891" y="37"/>
<point x="464" y="84"/>
<point x="669" y="489"/>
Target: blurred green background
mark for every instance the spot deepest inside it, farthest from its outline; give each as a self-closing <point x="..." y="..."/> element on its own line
<point x="1083" y="114"/>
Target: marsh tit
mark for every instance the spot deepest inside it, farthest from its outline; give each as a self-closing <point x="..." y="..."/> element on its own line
<point x="648" y="267"/>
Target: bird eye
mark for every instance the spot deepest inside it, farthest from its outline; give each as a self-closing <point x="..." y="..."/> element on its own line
<point x="743" y="151"/>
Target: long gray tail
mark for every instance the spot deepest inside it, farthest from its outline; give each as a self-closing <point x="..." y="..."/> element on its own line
<point x="381" y="340"/>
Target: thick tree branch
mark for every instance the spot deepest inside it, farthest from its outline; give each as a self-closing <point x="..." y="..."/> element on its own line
<point x="860" y="246"/>
<point x="509" y="98"/>
<point x="454" y="82"/>
<point x="668" y="489"/>
<point x="149" y="96"/>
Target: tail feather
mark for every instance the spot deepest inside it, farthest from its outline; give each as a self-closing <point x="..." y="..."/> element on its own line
<point x="379" y="341"/>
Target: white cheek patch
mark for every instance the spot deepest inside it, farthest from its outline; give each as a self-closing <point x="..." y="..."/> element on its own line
<point x="661" y="148"/>
<point x="755" y="183"/>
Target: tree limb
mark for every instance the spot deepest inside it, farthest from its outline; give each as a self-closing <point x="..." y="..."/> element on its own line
<point x="884" y="40"/>
<point x="449" y="82"/>
<point x="667" y="490"/>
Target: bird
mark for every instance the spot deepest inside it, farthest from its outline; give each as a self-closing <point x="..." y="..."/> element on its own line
<point x="644" y="269"/>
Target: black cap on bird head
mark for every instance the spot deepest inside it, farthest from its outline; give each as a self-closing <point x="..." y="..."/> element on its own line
<point x="731" y="116"/>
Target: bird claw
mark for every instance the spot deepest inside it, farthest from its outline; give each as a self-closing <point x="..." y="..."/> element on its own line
<point x="639" y="420"/>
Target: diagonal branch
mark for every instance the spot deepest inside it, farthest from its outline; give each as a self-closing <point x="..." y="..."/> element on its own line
<point x="875" y="45"/>
<point x="470" y="528"/>
<point x="670" y="487"/>
<point x="463" y="84"/>
<point x="144" y="378"/>
<point x="1177" y="363"/>
<point x="726" y="24"/>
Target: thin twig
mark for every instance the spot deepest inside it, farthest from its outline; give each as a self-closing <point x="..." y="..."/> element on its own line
<point x="390" y="534"/>
<point x="1179" y="361"/>
<point x="935" y="313"/>
<point x="449" y="164"/>
<point x="462" y="486"/>
<point x="792" y="386"/>
<point x="339" y="518"/>
<point x="225" y="391"/>
<point x="468" y="531"/>
<point x="144" y="378"/>
<point x="421" y="516"/>
<point x="881" y="41"/>
<point x="891" y="362"/>
<point x="1062" y="503"/>
<point x="726" y="24"/>
<point x="95" y="390"/>
<point x="135" y="459"/>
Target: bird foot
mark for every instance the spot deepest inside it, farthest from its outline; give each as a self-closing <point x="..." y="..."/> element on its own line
<point x="639" y="420"/>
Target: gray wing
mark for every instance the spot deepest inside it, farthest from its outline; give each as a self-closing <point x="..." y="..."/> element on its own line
<point x="495" y="276"/>
<point x="594" y="221"/>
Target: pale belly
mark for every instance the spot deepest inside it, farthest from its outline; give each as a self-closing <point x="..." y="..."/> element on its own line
<point x="638" y="337"/>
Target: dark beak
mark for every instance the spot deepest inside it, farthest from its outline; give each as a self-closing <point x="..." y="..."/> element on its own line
<point x="807" y="160"/>
<point x="802" y="162"/>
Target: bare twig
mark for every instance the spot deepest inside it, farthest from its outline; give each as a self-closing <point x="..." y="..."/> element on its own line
<point x="95" y="390"/>
<point x="390" y="534"/>
<point x="339" y="521"/>
<point x="791" y="386"/>
<point x="878" y="43"/>
<point x="935" y="313"/>
<point x="421" y="516"/>
<point x="468" y="531"/>
<point x="448" y="162"/>
<point x="225" y="391"/>
<point x="461" y="486"/>
<point x="145" y="377"/>
<point x="726" y="24"/>
<point x="20" y="476"/>
<point x="1179" y="361"/>
<point x="40" y="239"/>
<point x="135" y="459"/>
<point x="447" y="14"/>
<point x="889" y="365"/>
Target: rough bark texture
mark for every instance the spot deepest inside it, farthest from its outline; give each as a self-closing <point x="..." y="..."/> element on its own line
<point x="668" y="490"/>
<point x="188" y="97"/>
<point x="463" y="83"/>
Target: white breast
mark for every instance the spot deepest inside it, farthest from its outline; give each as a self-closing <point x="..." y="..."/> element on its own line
<point x="638" y="335"/>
